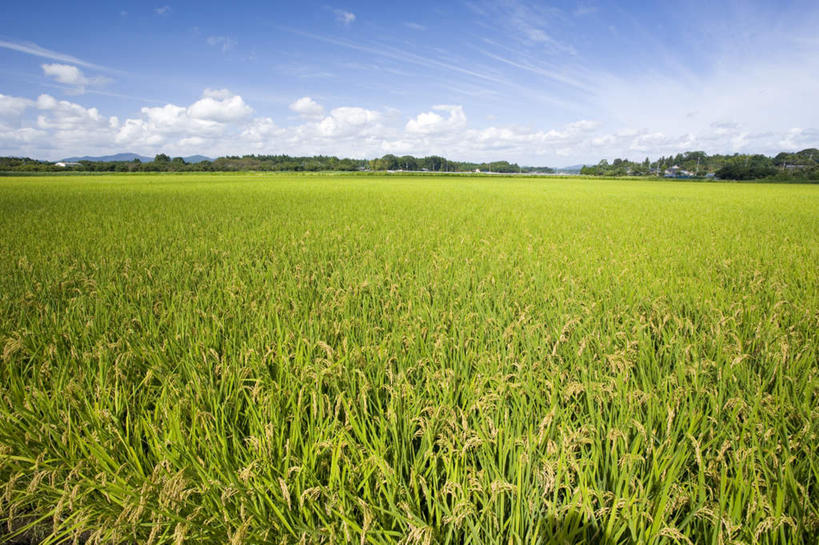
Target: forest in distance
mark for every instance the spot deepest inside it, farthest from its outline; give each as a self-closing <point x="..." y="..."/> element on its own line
<point x="801" y="166"/>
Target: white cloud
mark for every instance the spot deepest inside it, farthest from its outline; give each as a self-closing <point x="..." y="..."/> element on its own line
<point x="46" y="102"/>
<point x="192" y="141"/>
<point x="431" y="122"/>
<point x="168" y="116"/>
<point x="206" y="121"/>
<point x="59" y="125"/>
<point x="220" y="122"/>
<point x="344" y="17"/>
<point x="211" y="123"/>
<point x="163" y="10"/>
<point x="260" y="132"/>
<point x="71" y="76"/>
<point x="67" y="116"/>
<point x="308" y="108"/>
<point x="346" y="120"/>
<point x="21" y="139"/>
<point x="13" y="107"/>
<point x="223" y="110"/>
<point x="584" y="125"/>
<point x="65" y="73"/>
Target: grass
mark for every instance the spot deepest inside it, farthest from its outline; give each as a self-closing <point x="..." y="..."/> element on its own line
<point x="307" y="359"/>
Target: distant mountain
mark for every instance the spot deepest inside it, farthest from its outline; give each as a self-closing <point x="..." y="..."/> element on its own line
<point x="196" y="158"/>
<point x="117" y="157"/>
<point x="129" y="157"/>
<point x="570" y="168"/>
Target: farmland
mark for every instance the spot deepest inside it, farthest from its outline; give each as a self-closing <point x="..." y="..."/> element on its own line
<point x="255" y="358"/>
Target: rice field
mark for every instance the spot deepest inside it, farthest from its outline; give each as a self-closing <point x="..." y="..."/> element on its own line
<point x="247" y="359"/>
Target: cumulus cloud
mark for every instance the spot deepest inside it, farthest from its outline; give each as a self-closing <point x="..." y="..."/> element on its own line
<point x="65" y="73"/>
<point x="219" y="107"/>
<point x="308" y="108"/>
<point x="13" y="107"/>
<point x="210" y="118"/>
<point x="63" y="116"/>
<point x="347" y="120"/>
<point x="59" y="125"/>
<point x="220" y="122"/>
<point x="431" y="122"/>
<point x="260" y="132"/>
<point x="344" y="17"/>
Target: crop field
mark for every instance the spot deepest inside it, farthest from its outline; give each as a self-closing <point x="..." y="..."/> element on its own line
<point x="255" y="358"/>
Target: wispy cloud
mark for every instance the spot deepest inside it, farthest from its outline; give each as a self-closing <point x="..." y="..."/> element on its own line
<point x="414" y="26"/>
<point x="475" y="71"/>
<point x="530" y="22"/>
<point x="344" y="17"/>
<point x="163" y="10"/>
<point x="584" y="8"/>
<point x="226" y="43"/>
<point x="31" y="48"/>
<point x="555" y="75"/>
<point x="303" y="70"/>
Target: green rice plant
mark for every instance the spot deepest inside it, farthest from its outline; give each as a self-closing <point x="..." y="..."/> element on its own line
<point x="256" y="358"/>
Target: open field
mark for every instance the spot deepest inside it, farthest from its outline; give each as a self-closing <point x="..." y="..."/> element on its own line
<point x="330" y="359"/>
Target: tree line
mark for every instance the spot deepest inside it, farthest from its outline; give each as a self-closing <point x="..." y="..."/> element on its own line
<point x="233" y="163"/>
<point x="801" y="165"/>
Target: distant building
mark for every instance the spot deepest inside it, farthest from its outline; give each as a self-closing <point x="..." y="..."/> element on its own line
<point x="678" y="172"/>
<point x="63" y="164"/>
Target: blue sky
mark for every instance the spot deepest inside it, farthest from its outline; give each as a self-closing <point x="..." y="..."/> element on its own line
<point x="545" y="83"/>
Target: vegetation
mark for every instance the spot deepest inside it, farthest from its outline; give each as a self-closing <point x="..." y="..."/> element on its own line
<point x="280" y="359"/>
<point x="800" y="166"/>
<point x="274" y="163"/>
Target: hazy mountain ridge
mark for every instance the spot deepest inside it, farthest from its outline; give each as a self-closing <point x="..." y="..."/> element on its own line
<point x="129" y="157"/>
